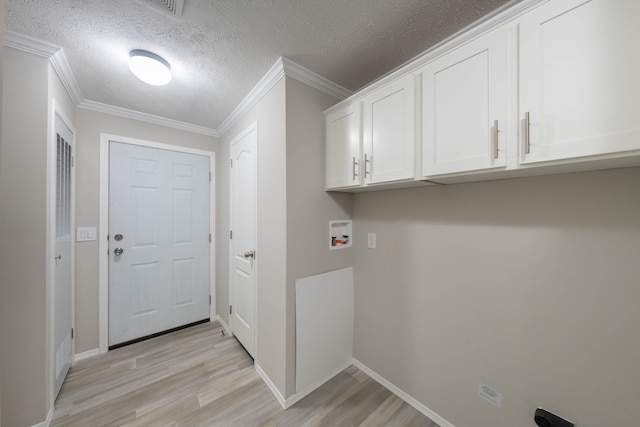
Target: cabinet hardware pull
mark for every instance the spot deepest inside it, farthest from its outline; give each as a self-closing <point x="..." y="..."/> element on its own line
<point x="495" y="139"/>
<point x="366" y="161"/>
<point x="527" y="133"/>
<point x="354" y="174"/>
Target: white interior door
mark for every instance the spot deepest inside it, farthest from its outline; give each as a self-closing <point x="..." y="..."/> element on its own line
<point x="158" y="240"/>
<point x="243" y="241"/>
<point x="62" y="308"/>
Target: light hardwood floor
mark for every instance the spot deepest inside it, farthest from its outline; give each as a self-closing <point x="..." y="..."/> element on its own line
<point x="198" y="377"/>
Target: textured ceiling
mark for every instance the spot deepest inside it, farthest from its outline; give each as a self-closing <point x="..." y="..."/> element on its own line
<point x="219" y="49"/>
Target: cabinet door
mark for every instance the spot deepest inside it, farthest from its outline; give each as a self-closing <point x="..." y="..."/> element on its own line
<point x="464" y="103"/>
<point x="579" y="79"/>
<point x="343" y="145"/>
<point x="389" y="132"/>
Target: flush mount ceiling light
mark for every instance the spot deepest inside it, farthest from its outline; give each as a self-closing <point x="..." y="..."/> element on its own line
<point x="149" y="67"/>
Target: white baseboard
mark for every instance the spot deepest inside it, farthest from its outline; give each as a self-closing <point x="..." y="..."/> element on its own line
<point x="227" y="329"/>
<point x="402" y="395"/>
<point x="310" y="389"/>
<point x="271" y="385"/>
<point x="85" y="355"/>
<point x="46" y="422"/>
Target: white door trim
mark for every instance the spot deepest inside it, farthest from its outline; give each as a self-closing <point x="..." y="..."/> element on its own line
<point x="56" y="110"/>
<point x="103" y="227"/>
<point x="253" y="127"/>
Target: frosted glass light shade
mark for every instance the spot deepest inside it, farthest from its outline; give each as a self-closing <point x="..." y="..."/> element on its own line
<point x="149" y="67"/>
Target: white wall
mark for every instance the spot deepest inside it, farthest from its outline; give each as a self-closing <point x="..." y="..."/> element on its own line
<point x="529" y="285"/>
<point x="89" y="126"/>
<point x="28" y="85"/>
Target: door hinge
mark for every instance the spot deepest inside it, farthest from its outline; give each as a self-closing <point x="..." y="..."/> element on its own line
<point x="230" y="234"/>
<point x="73" y="161"/>
<point x="72" y="334"/>
<point x="107" y="237"/>
<point x="209" y="299"/>
<point x="209" y="176"/>
<point x="209" y="237"/>
<point x="230" y="309"/>
<point x="230" y="162"/>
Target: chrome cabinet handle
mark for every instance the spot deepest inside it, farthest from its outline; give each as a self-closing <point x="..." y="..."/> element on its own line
<point x="367" y="161"/>
<point x="353" y="169"/>
<point x="495" y="139"/>
<point x="249" y="254"/>
<point x="527" y="133"/>
<point x="118" y="251"/>
<point x="58" y="257"/>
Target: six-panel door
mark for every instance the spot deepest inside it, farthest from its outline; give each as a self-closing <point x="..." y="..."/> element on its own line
<point x="158" y="242"/>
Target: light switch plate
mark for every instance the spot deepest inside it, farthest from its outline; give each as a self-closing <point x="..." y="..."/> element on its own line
<point x="86" y="234"/>
<point x="371" y="240"/>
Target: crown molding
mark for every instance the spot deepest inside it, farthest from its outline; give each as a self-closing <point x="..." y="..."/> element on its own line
<point x="148" y="118"/>
<point x="63" y="70"/>
<point x="282" y="67"/>
<point x="29" y="44"/>
<point x="268" y="81"/>
<point x="54" y="54"/>
<point x="308" y="77"/>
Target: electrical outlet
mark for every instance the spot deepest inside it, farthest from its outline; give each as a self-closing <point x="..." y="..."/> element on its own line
<point x="371" y="240"/>
<point x="490" y="395"/>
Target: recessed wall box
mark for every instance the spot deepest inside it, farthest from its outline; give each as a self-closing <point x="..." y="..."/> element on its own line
<point x="340" y="234"/>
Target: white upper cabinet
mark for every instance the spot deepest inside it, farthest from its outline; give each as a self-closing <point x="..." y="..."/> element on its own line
<point x="464" y="108"/>
<point x="389" y="132"/>
<point x="343" y="145"/>
<point x="579" y="79"/>
<point x="544" y="87"/>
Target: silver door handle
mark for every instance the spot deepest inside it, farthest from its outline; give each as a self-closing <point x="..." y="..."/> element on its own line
<point x="58" y="257"/>
<point x="354" y="174"/>
<point x="249" y="254"/>
<point x="367" y="161"/>
<point x="495" y="139"/>
<point x="118" y="251"/>
<point x="527" y="133"/>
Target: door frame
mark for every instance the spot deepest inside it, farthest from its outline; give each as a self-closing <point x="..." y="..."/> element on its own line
<point x="103" y="227"/>
<point x="56" y="110"/>
<point x="253" y="127"/>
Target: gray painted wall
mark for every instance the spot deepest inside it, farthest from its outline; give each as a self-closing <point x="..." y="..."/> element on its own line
<point x="29" y="83"/>
<point x="269" y="113"/>
<point x="309" y="206"/>
<point x="529" y="285"/>
<point x="1" y="67"/>
<point x="293" y="215"/>
<point x="89" y="126"/>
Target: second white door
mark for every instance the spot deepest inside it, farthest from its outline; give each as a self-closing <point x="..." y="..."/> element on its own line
<point x="158" y="240"/>
<point x="243" y="239"/>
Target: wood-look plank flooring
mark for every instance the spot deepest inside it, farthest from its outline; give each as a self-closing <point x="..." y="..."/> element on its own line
<point x="199" y="377"/>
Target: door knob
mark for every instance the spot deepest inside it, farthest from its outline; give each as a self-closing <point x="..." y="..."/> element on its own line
<point x="118" y="251"/>
<point x="249" y="254"/>
<point x="118" y="237"/>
